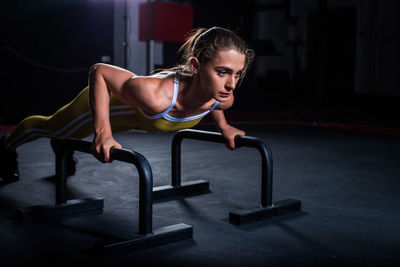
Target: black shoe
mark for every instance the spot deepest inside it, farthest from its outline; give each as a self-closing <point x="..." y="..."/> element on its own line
<point x="8" y="164"/>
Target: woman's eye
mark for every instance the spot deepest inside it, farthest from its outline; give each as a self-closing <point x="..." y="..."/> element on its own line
<point x="221" y="73"/>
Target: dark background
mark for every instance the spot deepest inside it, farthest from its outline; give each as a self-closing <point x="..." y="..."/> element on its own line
<point x="48" y="46"/>
<point x="64" y="37"/>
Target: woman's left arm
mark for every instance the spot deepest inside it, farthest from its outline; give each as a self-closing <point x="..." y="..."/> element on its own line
<point x="227" y="130"/>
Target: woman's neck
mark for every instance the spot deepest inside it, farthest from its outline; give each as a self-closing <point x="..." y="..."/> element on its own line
<point x="192" y="95"/>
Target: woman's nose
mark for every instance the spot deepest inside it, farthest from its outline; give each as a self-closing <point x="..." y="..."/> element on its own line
<point x="230" y="84"/>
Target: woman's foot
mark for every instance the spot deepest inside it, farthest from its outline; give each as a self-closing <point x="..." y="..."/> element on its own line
<point x="8" y="164"/>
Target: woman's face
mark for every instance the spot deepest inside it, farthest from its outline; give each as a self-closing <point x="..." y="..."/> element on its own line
<point x="220" y="75"/>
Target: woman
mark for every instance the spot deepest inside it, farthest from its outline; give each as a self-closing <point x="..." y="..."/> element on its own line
<point x="214" y="61"/>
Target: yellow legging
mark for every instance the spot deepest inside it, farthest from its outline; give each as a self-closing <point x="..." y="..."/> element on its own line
<point x="73" y="120"/>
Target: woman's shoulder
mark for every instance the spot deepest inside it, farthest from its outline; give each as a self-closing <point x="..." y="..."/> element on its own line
<point x="154" y="84"/>
<point x="152" y="93"/>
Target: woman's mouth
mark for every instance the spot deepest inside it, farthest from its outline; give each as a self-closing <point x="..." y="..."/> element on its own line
<point x="225" y="94"/>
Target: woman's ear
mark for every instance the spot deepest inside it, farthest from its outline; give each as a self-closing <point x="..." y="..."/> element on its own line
<point x="194" y="65"/>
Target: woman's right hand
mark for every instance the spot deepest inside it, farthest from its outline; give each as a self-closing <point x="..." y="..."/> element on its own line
<point x="101" y="147"/>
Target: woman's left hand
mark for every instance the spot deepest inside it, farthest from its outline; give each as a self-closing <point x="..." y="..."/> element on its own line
<point x="229" y="133"/>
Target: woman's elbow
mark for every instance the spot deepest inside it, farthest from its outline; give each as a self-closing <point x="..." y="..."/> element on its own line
<point x="95" y="68"/>
<point x="96" y="72"/>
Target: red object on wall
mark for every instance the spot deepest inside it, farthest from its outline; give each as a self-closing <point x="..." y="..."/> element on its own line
<point x="164" y="21"/>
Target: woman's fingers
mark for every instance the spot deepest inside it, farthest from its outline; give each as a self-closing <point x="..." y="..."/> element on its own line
<point x="231" y="135"/>
<point x="95" y="150"/>
<point x="105" y="149"/>
<point x="106" y="154"/>
<point x="100" y="153"/>
<point x="231" y="142"/>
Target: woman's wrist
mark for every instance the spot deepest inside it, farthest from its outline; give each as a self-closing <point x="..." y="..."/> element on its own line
<point x="223" y="126"/>
<point x="103" y="132"/>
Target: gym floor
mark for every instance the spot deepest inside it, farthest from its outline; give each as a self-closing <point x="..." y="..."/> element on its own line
<point x="347" y="182"/>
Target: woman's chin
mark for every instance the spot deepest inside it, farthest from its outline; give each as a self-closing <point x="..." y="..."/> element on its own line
<point x="221" y="99"/>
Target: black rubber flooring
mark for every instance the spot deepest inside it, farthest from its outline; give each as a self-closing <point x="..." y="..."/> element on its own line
<point x="348" y="184"/>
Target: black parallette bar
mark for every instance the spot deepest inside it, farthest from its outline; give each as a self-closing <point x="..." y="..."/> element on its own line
<point x="246" y="141"/>
<point x="145" y="238"/>
<point x="61" y="147"/>
<point x="185" y="189"/>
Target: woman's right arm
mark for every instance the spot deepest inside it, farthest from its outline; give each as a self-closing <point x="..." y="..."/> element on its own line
<point x="104" y="79"/>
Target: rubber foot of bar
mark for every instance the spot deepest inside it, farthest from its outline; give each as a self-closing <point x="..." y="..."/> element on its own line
<point x="161" y="236"/>
<point x="71" y="207"/>
<point x="261" y="213"/>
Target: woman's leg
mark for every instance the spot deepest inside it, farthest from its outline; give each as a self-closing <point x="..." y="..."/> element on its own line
<point x="68" y="121"/>
<point x="73" y="120"/>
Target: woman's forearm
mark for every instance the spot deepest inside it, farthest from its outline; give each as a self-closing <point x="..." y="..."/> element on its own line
<point x="228" y="131"/>
<point x="219" y="118"/>
<point x="99" y="99"/>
